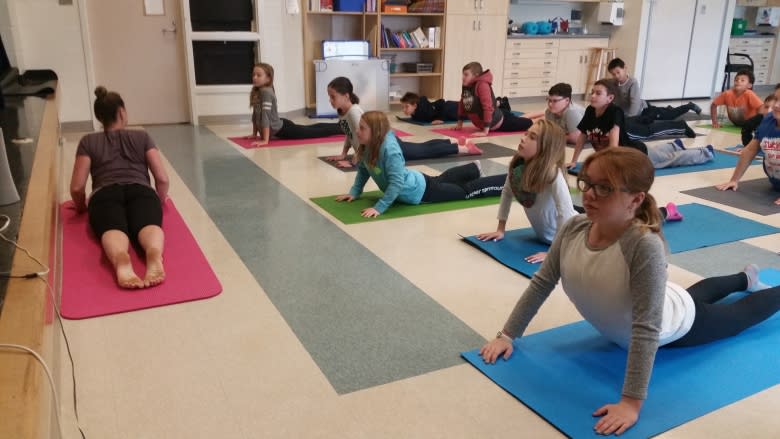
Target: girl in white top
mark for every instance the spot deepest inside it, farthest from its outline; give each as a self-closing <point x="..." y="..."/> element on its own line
<point x="345" y="101"/>
<point x="537" y="181"/>
<point x="612" y="265"/>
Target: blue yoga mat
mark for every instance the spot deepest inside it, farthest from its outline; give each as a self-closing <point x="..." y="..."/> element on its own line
<point x="721" y="161"/>
<point x="564" y="374"/>
<point x="703" y="226"/>
<point x="512" y="250"/>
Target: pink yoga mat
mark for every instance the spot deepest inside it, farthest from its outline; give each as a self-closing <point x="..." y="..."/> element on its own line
<point x="466" y="131"/>
<point x="247" y="143"/>
<point x="89" y="287"/>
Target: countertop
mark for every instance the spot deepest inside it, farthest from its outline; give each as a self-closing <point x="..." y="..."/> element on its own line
<point x="753" y="36"/>
<point x="559" y="35"/>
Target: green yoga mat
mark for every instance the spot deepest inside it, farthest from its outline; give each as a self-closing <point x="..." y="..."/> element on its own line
<point x="349" y="213"/>
<point x="727" y="128"/>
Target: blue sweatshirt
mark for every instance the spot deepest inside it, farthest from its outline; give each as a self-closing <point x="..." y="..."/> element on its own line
<point x="391" y="175"/>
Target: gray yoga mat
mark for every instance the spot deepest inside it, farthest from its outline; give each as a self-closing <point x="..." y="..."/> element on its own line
<point x="755" y="196"/>
<point x="489" y="150"/>
<point x="724" y="259"/>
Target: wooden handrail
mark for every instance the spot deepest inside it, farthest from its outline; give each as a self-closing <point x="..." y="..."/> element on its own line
<point x="27" y="317"/>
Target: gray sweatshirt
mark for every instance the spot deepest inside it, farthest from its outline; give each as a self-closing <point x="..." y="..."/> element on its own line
<point x="628" y="98"/>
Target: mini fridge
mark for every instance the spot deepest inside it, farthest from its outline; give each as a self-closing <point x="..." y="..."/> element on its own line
<point x="370" y="80"/>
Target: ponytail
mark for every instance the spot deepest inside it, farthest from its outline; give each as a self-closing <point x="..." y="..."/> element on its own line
<point x="648" y="216"/>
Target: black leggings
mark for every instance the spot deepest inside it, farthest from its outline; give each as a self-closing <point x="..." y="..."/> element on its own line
<point x="513" y="123"/>
<point x="652" y="113"/>
<point x="124" y="207"/>
<point x="290" y="130"/>
<point x="749" y="127"/>
<point x="637" y="130"/>
<point x="715" y="321"/>
<point x="427" y="150"/>
<point x="461" y="183"/>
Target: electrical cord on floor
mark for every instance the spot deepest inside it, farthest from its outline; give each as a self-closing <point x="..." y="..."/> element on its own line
<point x="48" y="375"/>
<point x="42" y="276"/>
<point x="26" y="275"/>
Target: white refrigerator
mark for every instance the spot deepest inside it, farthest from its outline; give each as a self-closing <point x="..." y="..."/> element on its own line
<point x="370" y="80"/>
<point x="684" y="48"/>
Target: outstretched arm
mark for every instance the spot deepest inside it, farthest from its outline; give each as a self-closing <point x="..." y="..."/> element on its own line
<point x="78" y="182"/>
<point x="161" y="182"/>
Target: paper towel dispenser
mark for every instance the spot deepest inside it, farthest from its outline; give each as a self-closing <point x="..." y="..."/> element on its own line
<point x="611" y="13"/>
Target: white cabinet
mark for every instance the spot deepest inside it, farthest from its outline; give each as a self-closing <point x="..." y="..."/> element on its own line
<point x="484" y="7"/>
<point x="682" y="60"/>
<point x="760" y="51"/>
<point x="575" y="62"/>
<point x="473" y="38"/>
<point x="533" y="65"/>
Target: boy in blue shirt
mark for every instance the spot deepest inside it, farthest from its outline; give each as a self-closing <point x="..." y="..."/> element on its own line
<point x="768" y="140"/>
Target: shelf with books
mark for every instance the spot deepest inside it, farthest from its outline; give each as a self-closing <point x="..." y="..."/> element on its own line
<point x="408" y="49"/>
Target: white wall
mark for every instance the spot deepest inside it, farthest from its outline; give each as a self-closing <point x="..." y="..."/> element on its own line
<point x="46" y="35"/>
<point x="281" y="45"/>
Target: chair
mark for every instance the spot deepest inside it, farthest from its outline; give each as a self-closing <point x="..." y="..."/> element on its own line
<point x="734" y="67"/>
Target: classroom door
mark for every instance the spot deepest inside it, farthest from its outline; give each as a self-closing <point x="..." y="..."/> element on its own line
<point x="141" y="57"/>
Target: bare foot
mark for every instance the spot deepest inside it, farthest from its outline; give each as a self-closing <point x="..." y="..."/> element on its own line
<point x="155" y="273"/>
<point x="125" y="276"/>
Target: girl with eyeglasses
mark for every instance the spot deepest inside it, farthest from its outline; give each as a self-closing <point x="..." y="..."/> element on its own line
<point x="612" y="265"/>
<point x="537" y="182"/>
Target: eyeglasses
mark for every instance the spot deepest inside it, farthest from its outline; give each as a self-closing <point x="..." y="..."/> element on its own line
<point x="554" y="101"/>
<point x="601" y="190"/>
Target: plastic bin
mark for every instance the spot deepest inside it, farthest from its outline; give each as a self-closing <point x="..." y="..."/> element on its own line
<point x="348" y="5"/>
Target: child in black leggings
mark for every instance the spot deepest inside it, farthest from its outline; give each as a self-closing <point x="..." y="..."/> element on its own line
<point x="265" y="118"/>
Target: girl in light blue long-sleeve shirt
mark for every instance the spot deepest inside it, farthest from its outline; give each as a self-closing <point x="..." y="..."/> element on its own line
<point x="379" y="157"/>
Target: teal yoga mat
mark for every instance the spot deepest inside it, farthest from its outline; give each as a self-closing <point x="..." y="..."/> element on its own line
<point x="721" y="161"/>
<point x="349" y="213"/>
<point x="703" y="226"/>
<point x="566" y="373"/>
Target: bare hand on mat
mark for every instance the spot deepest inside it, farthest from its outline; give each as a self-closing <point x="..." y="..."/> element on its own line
<point x="336" y="158"/>
<point x="345" y="197"/>
<point x="617" y="418"/>
<point x="494" y="348"/>
<point x="536" y="257"/>
<point x="369" y="212"/>
<point x="733" y="185"/>
<point x="491" y="236"/>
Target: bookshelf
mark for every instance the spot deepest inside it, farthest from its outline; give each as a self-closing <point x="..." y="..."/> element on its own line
<point x="327" y="25"/>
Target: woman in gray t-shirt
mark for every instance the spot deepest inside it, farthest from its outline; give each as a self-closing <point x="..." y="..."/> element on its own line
<point x="123" y="206"/>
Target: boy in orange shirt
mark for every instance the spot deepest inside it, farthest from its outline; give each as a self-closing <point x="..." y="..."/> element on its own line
<point x="740" y="101"/>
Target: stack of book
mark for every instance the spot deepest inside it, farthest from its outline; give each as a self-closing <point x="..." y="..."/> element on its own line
<point x="430" y="38"/>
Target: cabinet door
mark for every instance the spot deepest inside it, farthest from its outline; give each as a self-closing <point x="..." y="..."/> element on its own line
<point x="473" y="38"/>
<point x="458" y="40"/>
<point x="666" y="56"/>
<point x="464" y="7"/>
<point x="571" y="64"/>
<point x="704" y="57"/>
<point x="489" y="47"/>
<point x="494" y="7"/>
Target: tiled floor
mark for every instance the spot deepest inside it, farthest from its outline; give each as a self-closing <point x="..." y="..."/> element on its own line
<point x="245" y="365"/>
